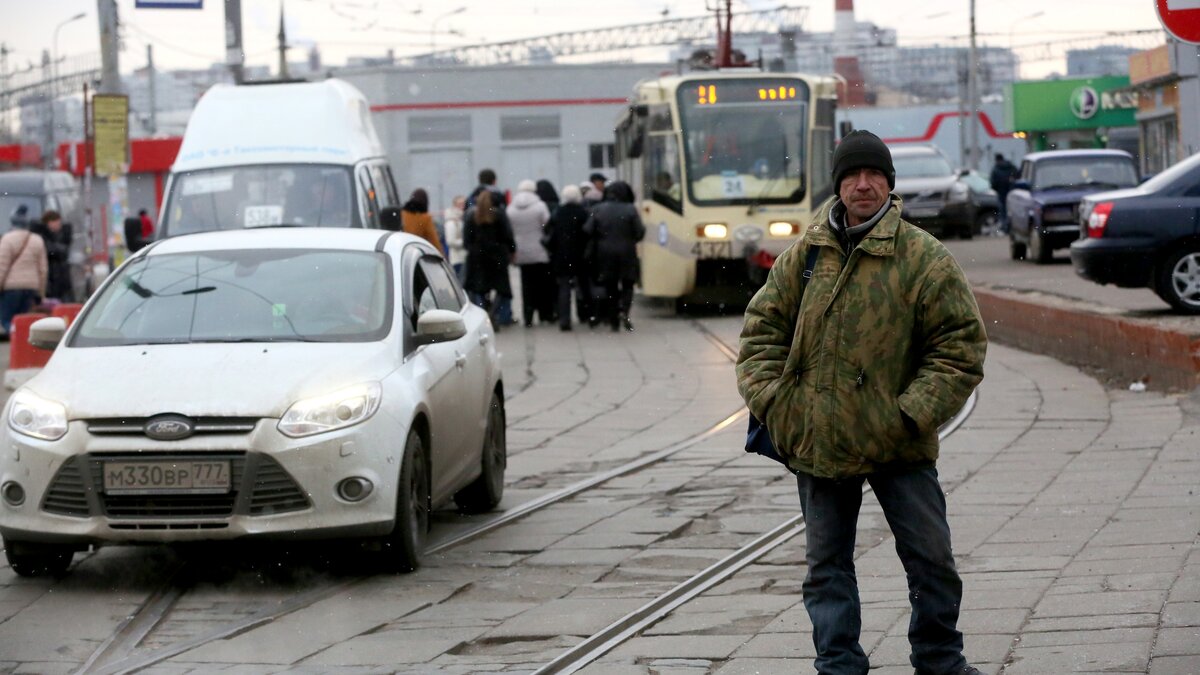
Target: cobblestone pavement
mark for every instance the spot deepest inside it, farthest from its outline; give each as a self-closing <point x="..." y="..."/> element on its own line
<point x="1074" y="512"/>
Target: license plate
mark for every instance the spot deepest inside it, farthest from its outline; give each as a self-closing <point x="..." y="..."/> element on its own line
<point x="194" y="476"/>
<point x="706" y="250"/>
<point x="922" y="213"/>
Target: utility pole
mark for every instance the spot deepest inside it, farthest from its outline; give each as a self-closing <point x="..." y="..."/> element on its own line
<point x="5" y="129"/>
<point x="283" y="47"/>
<point x="48" y="144"/>
<point x="152" y="123"/>
<point x="235" y="58"/>
<point x="973" y="95"/>
<point x="110" y="74"/>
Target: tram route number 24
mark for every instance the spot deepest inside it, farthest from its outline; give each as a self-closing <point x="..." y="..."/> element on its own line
<point x="712" y="249"/>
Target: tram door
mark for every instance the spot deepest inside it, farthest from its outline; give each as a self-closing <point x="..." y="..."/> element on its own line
<point x="443" y="174"/>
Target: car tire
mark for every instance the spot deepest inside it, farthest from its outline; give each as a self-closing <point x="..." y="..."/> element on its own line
<point x="31" y="559"/>
<point x="1178" y="280"/>
<point x="1016" y="249"/>
<point x="485" y="492"/>
<point x="987" y="221"/>
<point x="966" y="231"/>
<point x="1039" y="253"/>
<point x="401" y="551"/>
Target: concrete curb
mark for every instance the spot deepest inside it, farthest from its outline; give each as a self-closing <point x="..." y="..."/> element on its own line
<point x="1163" y="351"/>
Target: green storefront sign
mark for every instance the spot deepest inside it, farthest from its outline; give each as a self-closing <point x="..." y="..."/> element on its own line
<point x="1077" y="103"/>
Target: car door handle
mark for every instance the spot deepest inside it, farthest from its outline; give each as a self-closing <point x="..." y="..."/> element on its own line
<point x="460" y="361"/>
<point x="483" y="339"/>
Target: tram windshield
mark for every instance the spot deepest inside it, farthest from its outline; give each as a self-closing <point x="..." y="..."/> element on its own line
<point x="744" y="140"/>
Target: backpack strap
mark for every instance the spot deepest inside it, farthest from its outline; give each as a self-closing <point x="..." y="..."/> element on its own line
<point x="810" y="262"/>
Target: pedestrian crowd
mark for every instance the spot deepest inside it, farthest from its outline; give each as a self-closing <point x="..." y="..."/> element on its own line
<point x="579" y="246"/>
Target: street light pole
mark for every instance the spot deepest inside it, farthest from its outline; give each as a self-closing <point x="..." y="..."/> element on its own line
<point x="48" y="155"/>
<point x="973" y="98"/>
<point x="433" y="26"/>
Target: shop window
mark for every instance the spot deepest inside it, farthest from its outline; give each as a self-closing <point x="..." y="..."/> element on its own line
<point x="600" y="156"/>
<point x="439" y="129"/>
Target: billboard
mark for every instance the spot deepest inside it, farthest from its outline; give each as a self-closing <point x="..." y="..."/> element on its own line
<point x="1075" y="103"/>
<point x="110" y="129"/>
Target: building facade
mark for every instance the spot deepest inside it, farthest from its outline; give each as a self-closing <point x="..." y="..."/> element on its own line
<point x="1166" y="80"/>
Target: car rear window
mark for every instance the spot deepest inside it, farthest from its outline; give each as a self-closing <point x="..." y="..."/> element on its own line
<point x="263" y="295"/>
<point x="1106" y="172"/>
<point x="922" y="166"/>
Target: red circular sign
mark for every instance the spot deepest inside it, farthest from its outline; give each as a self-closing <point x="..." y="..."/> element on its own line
<point x="1181" y="18"/>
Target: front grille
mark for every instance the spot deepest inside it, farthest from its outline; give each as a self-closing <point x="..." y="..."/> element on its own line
<point x="132" y="426"/>
<point x="260" y="487"/>
<point x="67" y="493"/>
<point x="923" y="197"/>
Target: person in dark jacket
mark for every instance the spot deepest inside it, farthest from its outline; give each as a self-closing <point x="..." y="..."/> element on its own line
<point x="615" y="230"/>
<point x="488" y="239"/>
<point x="566" y="241"/>
<point x="1003" y="175"/>
<point x="57" y="236"/>
<point x="548" y="195"/>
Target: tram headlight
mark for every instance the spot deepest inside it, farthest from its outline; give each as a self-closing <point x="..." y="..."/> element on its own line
<point x="781" y="228"/>
<point x="712" y="231"/>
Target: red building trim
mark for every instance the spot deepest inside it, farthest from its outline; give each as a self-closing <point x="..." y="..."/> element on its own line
<point x="529" y="103"/>
<point x="936" y="122"/>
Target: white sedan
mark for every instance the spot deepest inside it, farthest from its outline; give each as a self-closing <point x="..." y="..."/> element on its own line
<point x="282" y="383"/>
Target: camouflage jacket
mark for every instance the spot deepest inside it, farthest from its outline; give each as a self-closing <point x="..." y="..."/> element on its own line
<point x="893" y="328"/>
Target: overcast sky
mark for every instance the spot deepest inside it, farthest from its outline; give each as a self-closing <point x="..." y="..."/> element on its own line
<point x="343" y="28"/>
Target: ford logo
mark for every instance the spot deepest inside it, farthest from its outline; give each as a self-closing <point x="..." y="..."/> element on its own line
<point x="168" y="427"/>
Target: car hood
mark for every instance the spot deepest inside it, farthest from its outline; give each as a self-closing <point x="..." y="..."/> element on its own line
<point x="1072" y="196"/>
<point x="914" y="185"/>
<point x="225" y="380"/>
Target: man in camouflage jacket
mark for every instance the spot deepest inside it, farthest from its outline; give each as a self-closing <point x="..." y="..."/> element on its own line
<point x="853" y="381"/>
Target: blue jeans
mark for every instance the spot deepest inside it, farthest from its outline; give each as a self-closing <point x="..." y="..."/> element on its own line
<point x="915" y="508"/>
<point x="14" y="302"/>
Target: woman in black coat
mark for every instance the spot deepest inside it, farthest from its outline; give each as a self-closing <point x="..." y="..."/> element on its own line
<point x="57" y="236"/>
<point x="488" y="238"/>
<point x="566" y="242"/>
<point x="615" y="230"/>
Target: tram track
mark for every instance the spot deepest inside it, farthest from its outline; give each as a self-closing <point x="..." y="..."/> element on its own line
<point x="119" y="654"/>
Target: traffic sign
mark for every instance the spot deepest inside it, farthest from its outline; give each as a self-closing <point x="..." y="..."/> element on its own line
<point x="1181" y="18"/>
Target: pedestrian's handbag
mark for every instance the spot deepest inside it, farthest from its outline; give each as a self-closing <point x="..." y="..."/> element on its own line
<point x="758" y="437"/>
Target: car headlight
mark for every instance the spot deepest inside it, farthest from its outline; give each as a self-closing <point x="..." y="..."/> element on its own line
<point x="32" y="415"/>
<point x="333" y="411"/>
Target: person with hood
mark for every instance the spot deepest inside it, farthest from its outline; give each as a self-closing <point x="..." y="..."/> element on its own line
<point x="566" y="241"/>
<point x="57" y="237"/>
<point x="615" y="230"/>
<point x="529" y="216"/>
<point x="452" y="223"/>
<point x="23" y="270"/>
<point x="865" y="339"/>
<point x="1001" y="179"/>
<point x="593" y="191"/>
<point x="488" y="239"/>
<point x="415" y="218"/>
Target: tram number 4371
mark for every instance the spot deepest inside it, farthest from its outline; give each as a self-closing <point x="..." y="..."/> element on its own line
<point x="712" y="249"/>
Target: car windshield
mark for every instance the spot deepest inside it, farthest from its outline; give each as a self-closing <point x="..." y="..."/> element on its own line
<point x="257" y="295"/>
<point x="11" y="206"/>
<point x="1109" y="172"/>
<point x="744" y="140"/>
<point x="922" y="166"/>
<point x="255" y="196"/>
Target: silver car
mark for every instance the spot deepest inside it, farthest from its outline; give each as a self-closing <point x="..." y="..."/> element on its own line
<point x="281" y="383"/>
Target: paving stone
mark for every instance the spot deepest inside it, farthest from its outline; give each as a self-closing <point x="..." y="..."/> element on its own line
<point x="1175" y="665"/>
<point x="1177" y="614"/>
<point x="1183" y="641"/>
<point x="1095" y="604"/>
<point x="567" y="616"/>
<point x="1127" y="657"/>
<point x="682" y="646"/>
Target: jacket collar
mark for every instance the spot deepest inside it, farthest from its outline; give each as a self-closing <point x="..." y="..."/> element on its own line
<point x="881" y="240"/>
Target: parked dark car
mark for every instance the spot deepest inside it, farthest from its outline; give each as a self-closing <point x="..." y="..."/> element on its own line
<point x="938" y="198"/>
<point x="1146" y="236"/>
<point x="1043" y="205"/>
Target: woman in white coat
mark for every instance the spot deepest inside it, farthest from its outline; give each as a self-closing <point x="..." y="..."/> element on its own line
<point x="528" y="215"/>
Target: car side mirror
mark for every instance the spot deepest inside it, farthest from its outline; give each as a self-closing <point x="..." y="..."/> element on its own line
<point x="439" y="325"/>
<point x="47" y="333"/>
<point x="389" y="218"/>
<point x="1021" y="185"/>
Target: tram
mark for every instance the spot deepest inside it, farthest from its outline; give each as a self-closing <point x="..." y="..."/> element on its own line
<point x="728" y="166"/>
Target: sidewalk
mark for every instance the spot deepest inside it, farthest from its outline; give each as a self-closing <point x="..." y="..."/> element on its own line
<point x="1075" y="513"/>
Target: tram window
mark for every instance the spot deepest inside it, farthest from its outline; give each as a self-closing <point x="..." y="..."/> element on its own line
<point x="822" y="164"/>
<point x="661" y="172"/>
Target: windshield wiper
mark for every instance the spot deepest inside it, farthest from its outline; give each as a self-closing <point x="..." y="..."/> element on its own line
<point x="202" y="289"/>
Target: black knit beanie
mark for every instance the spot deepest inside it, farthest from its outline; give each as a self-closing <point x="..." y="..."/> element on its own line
<point x="862" y="149"/>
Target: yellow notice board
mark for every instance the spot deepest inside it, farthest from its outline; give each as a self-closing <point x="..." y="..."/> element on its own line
<point x="110" y="124"/>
